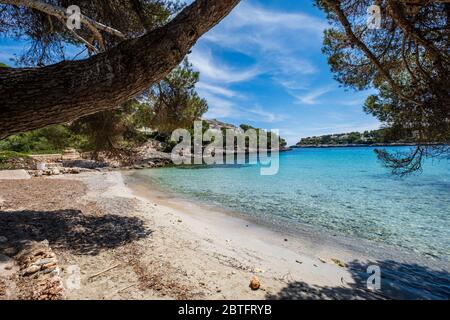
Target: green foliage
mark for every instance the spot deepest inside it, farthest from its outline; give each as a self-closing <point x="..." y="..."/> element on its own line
<point x="115" y="132"/>
<point x="48" y="36"/>
<point x="2" y="65"/>
<point x="174" y="101"/>
<point x="366" y="138"/>
<point x="171" y="104"/>
<point x="406" y="61"/>
<point x="246" y="127"/>
<point x="7" y="155"/>
<point x="53" y="139"/>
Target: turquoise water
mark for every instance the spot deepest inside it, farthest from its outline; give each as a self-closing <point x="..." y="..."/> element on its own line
<point x="345" y="190"/>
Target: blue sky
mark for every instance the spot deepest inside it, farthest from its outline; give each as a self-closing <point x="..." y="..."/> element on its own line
<point x="262" y="65"/>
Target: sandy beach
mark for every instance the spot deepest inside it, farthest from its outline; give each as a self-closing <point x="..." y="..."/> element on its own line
<point x="131" y="241"/>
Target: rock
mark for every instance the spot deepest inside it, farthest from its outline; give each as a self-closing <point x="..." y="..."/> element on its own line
<point x="11" y="251"/>
<point x="3" y="239"/>
<point x="255" y="284"/>
<point x="339" y="263"/>
<point x="31" y="270"/>
<point x="45" y="261"/>
<point x="49" y="270"/>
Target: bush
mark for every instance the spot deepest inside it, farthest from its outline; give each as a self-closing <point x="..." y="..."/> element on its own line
<point x="9" y="159"/>
<point x="53" y="139"/>
<point x="8" y="155"/>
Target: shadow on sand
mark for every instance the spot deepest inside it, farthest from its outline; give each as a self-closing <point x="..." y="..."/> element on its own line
<point x="72" y="230"/>
<point x="398" y="281"/>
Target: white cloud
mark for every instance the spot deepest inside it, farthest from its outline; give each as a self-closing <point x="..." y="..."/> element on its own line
<point x="217" y="71"/>
<point x="218" y="108"/>
<point x="274" y="38"/>
<point x="222" y="91"/>
<point x="221" y="107"/>
<point x="312" y="96"/>
<point x="268" y="29"/>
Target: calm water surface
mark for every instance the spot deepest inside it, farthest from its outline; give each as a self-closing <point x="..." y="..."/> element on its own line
<point x="343" y="190"/>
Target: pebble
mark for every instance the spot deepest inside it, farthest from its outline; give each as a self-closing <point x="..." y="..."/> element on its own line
<point x="42" y="262"/>
<point x="3" y="239"/>
<point x="31" y="270"/>
<point x="255" y="284"/>
<point x="339" y="263"/>
<point x="49" y="266"/>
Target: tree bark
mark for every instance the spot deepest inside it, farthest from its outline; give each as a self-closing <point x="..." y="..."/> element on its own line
<point x="60" y="93"/>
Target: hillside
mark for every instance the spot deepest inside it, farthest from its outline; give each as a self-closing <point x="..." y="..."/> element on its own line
<point x="380" y="136"/>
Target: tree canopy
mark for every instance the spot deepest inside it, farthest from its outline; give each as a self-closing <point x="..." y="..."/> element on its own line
<point x="119" y="69"/>
<point x="406" y="60"/>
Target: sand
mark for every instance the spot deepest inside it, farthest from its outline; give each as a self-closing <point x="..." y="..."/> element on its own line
<point x="131" y="241"/>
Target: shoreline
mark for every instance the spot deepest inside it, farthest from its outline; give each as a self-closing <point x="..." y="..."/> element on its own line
<point x="163" y="247"/>
<point x="309" y="241"/>
<point x="374" y="145"/>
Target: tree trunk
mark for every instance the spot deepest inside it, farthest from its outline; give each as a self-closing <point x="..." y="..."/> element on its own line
<point x="35" y="98"/>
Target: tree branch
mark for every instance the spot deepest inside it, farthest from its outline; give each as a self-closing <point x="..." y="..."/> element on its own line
<point x="61" y="14"/>
<point x="38" y="97"/>
<point x="336" y="8"/>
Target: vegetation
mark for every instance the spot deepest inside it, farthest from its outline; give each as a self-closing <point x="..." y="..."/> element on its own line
<point x="168" y="104"/>
<point x="174" y="103"/>
<point x="407" y="61"/>
<point x="282" y="142"/>
<point x="366" y="138"/>
<point x="53" y="139"/>
<point x="140" y="41"/>
<point x="7" y="157"/>
<point x="171" y="104"/>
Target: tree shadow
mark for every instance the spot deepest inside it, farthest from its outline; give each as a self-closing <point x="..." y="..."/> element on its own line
<point x="72" y="230"/>
<point x="408" y="281"/>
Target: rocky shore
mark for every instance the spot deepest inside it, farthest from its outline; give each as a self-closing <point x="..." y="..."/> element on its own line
<point x="72" y="162"/>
